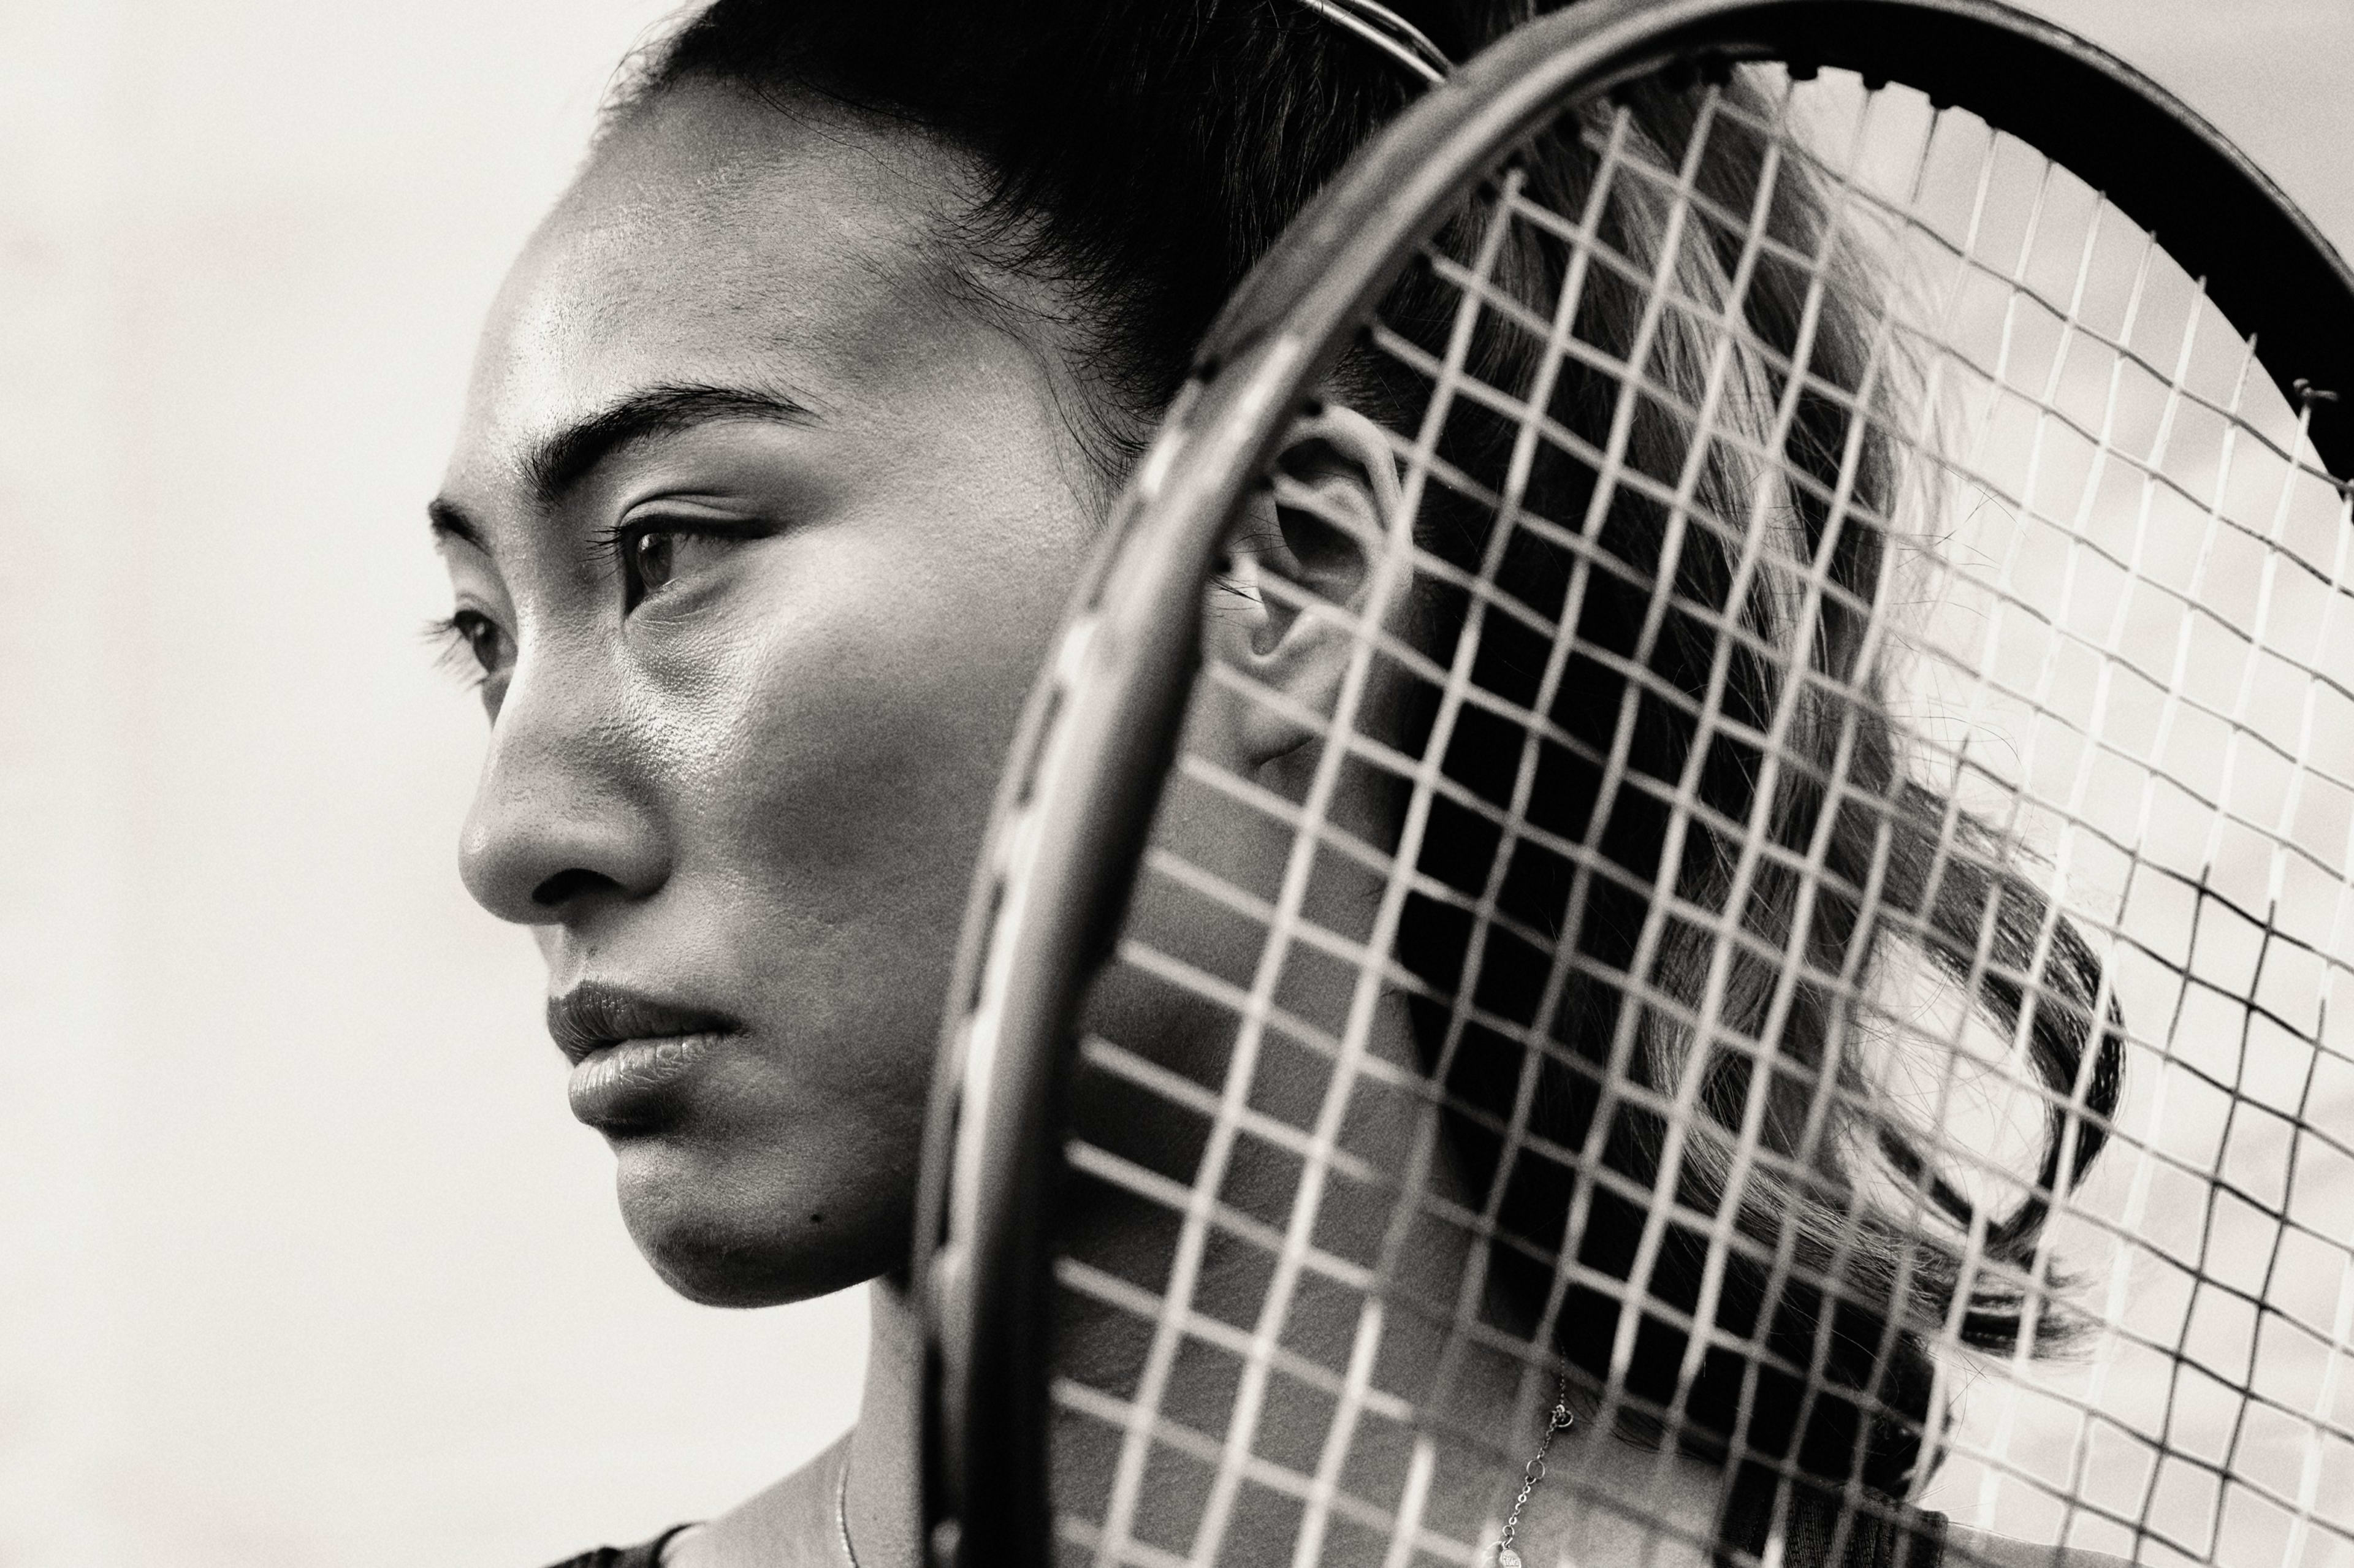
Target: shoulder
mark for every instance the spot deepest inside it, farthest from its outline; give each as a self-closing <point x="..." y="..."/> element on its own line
<point x="1977" y="1549"/>
<point x="645" y="1554"/>
<point x="794" y="1523"/>
<point x="791" y="1522"/>
<point x="1915" y="1538"/>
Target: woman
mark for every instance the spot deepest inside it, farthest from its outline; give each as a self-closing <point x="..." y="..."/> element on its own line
<point x="787" y="439"/>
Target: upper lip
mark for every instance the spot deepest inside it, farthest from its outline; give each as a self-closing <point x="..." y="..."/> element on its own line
<point x="594" y="1014"/>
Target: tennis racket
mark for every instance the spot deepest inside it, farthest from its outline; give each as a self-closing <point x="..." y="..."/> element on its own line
<point x="1696" y="820"/>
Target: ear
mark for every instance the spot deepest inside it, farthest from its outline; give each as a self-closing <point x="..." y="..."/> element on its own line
<point x="1311" y="559"/>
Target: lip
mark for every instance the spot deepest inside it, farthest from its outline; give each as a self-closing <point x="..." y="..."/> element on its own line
<point x="632" y="1052"/>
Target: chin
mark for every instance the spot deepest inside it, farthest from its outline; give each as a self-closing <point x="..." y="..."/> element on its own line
<point x="727" y="1238"/>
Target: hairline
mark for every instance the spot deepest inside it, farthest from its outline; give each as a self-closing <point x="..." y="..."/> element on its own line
<point x="982" y="263"/>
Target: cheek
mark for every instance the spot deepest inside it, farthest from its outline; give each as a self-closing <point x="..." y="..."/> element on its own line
<point x="842" y="734"/>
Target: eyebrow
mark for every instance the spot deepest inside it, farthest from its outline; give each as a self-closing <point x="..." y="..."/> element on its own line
<point x="566" y="457"/>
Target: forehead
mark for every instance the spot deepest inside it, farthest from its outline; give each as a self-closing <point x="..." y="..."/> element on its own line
<point x="715" y="238"/>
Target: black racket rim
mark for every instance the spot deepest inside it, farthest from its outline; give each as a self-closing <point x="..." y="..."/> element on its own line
<point x="1084" y="773"/>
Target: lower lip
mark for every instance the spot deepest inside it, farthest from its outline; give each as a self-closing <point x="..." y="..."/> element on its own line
<point x="631" y="1081"/>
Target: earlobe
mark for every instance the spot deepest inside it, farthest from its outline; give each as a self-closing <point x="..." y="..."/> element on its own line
<point x="1318" y="554"/>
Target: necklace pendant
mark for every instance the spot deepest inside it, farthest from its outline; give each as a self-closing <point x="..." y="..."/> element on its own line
<point x="1507" y="1558"/>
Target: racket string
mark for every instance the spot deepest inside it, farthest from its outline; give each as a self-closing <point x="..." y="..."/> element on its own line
<point x="2075" y="698"/>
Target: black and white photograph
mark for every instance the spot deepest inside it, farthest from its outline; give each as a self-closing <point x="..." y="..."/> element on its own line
<point x="1177" y="784"/>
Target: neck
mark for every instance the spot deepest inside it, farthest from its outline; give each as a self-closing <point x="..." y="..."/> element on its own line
<point x="1598" y="1505"/>
<point x="886" y="1447"/>
<point x="795" y="1521"/>
<point x="1477" y="1412"/>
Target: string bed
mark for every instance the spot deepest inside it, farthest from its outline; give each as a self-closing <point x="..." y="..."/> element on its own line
<point x="1814" y="909"/>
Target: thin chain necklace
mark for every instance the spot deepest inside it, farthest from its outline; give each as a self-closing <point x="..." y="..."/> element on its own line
<point x="1559" y="1421"/>
<point x="842" y="1513"/>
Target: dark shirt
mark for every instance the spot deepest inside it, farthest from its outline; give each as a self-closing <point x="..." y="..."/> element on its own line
<point x="1915" y="1539"/>
<point x="1919" y="1542"/>
<point x="1870" y="1548"/>
<point x="646" y="1554"/>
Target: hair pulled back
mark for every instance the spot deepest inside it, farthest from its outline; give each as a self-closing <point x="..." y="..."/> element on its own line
<point x="1143" y="157"/>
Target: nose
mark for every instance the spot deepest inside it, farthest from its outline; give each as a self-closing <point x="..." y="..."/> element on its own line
<point x="565" y="817"/>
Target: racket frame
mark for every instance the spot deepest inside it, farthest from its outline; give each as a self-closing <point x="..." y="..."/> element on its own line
<point x="1084" y="776"/>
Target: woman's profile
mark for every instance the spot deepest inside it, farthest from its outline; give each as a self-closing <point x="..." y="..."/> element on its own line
<point x="788" y="435"/>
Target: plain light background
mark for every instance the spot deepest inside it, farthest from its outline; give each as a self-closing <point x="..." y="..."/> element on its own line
<point x="301" y="1259"/>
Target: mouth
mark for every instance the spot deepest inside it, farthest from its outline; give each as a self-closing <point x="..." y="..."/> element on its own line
<point x="632" y="1054"/>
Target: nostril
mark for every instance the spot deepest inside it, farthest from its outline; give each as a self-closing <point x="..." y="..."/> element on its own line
<point x="567" y="885"/>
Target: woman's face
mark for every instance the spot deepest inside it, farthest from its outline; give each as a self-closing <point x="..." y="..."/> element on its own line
<point x="758" y="539"/>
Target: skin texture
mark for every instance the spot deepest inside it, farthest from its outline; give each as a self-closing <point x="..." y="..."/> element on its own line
<point x="759" y="791"/>
<point x="755" y="790"/>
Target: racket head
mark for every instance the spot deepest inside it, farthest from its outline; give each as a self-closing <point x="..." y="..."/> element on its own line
<point x="1090" y="768"/>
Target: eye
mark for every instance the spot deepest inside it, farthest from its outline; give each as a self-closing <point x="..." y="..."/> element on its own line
<point x="469" y="634"/>
<point x="655" y="556"/>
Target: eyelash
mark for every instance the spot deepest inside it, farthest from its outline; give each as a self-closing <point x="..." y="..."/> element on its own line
<point x="609" y="543"/>
<point x="615" y="543"/>
<point x="454" y="649"/>
<point x="451" y="636"/>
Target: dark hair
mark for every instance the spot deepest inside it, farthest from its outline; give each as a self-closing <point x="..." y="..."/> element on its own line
<point x="1144" y="155"/>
